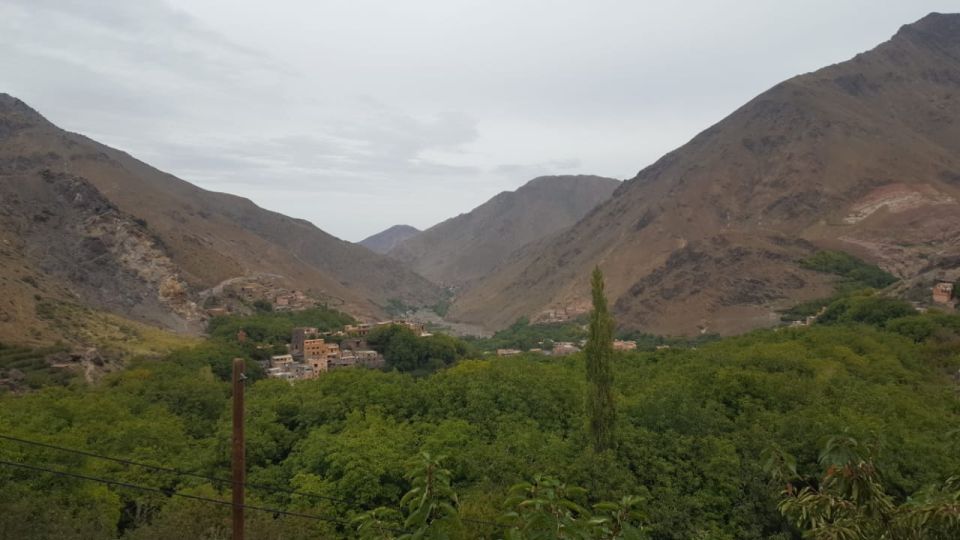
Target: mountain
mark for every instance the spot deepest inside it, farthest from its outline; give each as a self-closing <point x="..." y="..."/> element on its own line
<point x="469" y="246"/>
<point x="385" y="240"/>
<point x="88" y="225"/>
<point x="861" y="156"/>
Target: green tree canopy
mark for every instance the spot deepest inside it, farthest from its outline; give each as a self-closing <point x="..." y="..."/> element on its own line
<point x="601" y="408"/>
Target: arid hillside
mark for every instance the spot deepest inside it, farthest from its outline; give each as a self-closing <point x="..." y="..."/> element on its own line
<point x="387" y="239"/>
<point x="862" y="156"/>
<point x="90" y="225"/>
<point x="469" y="246"/>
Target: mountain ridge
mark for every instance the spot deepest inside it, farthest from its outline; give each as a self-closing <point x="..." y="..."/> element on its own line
<point x="859" y="156"/>
<point x="464" y="248"/>
<point x="387" y="239"/>
<point x="210" y="238"/>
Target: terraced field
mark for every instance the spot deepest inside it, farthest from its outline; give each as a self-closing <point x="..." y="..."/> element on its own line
<point x="27" y="367"/>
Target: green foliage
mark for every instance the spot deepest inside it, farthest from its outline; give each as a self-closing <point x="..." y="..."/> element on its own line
<point x="649" y="342"/>
<point x="544" y="509"/>
<point x="601" y="410"/>
<point x="548" y="509"/>
<point x="404" y="350"/>
<point x="431" y="504"/>
<point x="690" y="426"/>
<point x="620" y="519"/>
<point x="849" y="500"/>
<point x="856" y="274"/>
<point x="443" y="305"/>
<point x="524" y="336"/>
<point x="275" y="327"/>
<point x="28" y="367"/>
<point x="803" y="310"/>
<point x="865" y="307"/>
<point x="398" y="308"/>
<point x="195" y="520"/>
<point x="262" y="306"/>
<point x="218" y="357"/>
<point x="378" y="524"/>
<point x="26" y="514"/>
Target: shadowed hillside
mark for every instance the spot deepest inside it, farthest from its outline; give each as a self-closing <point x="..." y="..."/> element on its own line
<point x="84" y="223"/>
<point x="385" y="240"/>
<point x="862" y="156"/>
<point x="470" y="245"/>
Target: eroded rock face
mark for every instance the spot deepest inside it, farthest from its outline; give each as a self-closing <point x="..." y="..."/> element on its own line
<point x="95" y="227"/>
<point x="897" y="198"/>
<point x="108" y="258"/>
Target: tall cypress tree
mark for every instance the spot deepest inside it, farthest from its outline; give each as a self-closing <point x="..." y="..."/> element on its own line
<point x="599" y="352"/>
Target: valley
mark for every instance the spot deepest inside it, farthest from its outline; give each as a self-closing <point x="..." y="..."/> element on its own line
<point x="757" y="336"/>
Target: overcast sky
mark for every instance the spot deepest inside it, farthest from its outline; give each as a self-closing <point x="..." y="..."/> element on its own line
<point x="360" y="114"/>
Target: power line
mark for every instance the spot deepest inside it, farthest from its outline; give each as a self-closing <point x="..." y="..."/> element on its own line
<point x="171" y="493"/>
<point x="264" y="487"/>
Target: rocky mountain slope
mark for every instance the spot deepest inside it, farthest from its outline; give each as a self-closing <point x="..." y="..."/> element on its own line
<point x="469" y="246"/>
<point x="862" y="156"/>
<point x="385" y="240"/>
<point x="84" y="223"/>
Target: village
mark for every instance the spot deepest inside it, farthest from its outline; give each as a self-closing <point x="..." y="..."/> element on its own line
<point x="311" y="352"/>
<point x="563" y="348"/>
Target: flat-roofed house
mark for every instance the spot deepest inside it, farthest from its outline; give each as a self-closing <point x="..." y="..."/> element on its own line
<point x="943" y="292"/>
<point x="298" y="336"/>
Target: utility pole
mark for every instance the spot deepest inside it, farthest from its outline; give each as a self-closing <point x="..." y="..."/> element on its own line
<point x="238" y="461"/>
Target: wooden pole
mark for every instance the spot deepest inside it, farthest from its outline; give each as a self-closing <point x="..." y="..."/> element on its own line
<point x="239" y="465"/>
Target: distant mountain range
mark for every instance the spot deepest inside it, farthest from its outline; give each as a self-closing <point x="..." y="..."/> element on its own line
<point x="388" y="239"/>
<point x="469" y="246"/>
<point x="862" y="156"/>
<point x="84" y="223"/>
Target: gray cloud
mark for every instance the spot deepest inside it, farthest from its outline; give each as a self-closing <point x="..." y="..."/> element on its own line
<point x="381" y="112"/>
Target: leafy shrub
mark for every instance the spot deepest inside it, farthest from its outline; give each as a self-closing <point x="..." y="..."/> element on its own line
<point x="855" y="272"/>
<point x="275" y="327"/>
<point x="692" y="424"/>
<point x="262" y="306"/>
<point x="865" y="308"/>
<point x="524" y="336"/>
<point x="404" y="350"/>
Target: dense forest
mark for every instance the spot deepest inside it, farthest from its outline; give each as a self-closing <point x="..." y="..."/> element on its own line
<point x="500" y="442"/>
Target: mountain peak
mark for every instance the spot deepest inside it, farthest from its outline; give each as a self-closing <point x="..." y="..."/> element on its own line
<point x="467" y="247"/>
<point x="707" y="238"/>
<point x="403" y="227"/>
<point x="388" y="239"/>
<point x="16" y="116"/>
<point x="12" y="108"/>
<point x="566" y="179"/>
<point x="937" y="29"/>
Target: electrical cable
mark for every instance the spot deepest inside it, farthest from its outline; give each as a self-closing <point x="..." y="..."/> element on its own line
<point x="171" y="493"/>
<point x="263" y="487"/>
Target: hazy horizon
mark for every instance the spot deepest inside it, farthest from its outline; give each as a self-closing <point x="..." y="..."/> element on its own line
<point x="361" y="115"/>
